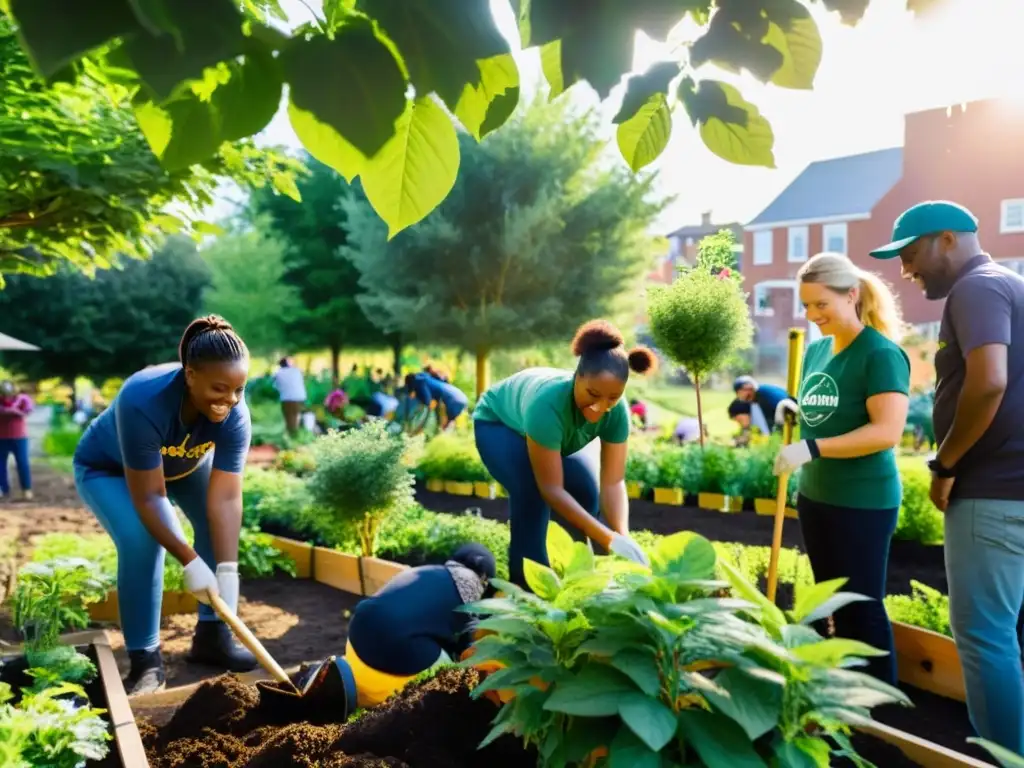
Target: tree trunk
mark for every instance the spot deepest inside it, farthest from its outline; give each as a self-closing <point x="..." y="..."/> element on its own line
<point x="700" y="411"/>
<point x="396" y="350"/>
<point x="483" y="371"/>
<point x="335" y="364"/>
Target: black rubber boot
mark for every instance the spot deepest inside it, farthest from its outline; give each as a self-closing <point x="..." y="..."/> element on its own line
<point x="215" y="645"/>
<point x="146" y="674"/>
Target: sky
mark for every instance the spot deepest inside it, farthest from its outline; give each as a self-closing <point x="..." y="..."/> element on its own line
<point x="870" y="76"/>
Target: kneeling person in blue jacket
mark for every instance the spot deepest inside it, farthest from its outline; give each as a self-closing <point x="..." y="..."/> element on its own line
<point x="413" y="624"/>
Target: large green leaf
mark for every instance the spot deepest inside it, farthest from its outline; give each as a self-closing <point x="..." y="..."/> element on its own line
<point x="832" y="651"/>
<point x="795" y="35"/>
<point x="326" y="144"/>
<point x="807" y="597"/>
<point x="551" y="66"/>
<point x="686" y="556"/>
<point x="487" y="106"/>
<point x="653" y="722"/>
<point x="542" y="580"/>
<point x="644" y="136"/>
<point x="249" y="100"/>
<point x="753" y="703"/>
<point x="206" y="32"/>
<point x="735" y="39"/>
<point x="730" y="126"/>
<point x="595" y="691"/>
<point x="640" y="88"/>
<point x="559" y="547"/>
<point x="628" y="751"/>
<point x="181" y="132"/>
<point x="639" y="665"/>
<point x="1006" y="758"/>
<point x="833" y="604"/>
<point x="440" y="41"/>
<point x="803" y="752"/>
<point x="747" y="591"/>
<point x="719" y="741"/>
<point x="56" y="32"/>
<point x="351" y="83"/>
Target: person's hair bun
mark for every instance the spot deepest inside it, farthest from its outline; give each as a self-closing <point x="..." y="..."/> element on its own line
<point x="642" y="360"/>
<point x="596" y="335"/>
<point x="215" y="323"/>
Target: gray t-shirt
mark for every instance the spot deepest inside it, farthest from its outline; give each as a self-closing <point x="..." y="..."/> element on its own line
<point x="985" y="306"/>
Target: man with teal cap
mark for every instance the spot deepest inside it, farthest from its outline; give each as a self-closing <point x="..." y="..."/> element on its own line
<point x="978" y="471"/>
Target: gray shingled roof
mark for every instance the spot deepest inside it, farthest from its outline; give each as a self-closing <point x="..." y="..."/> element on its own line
<point x="843" y="186"/>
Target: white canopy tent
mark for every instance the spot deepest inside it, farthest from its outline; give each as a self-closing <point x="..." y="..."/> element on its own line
<point x="11" y="344"/>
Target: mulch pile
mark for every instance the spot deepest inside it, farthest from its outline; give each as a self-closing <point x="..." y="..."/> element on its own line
<point x="433" y="724"/>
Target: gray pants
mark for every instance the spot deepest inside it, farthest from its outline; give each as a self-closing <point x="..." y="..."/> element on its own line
<point x="985" y="568"/>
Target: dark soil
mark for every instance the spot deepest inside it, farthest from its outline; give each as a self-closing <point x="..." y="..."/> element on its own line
<point x="433" y="724"/>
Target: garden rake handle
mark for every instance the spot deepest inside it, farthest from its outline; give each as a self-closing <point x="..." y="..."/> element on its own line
<point x="248" y="639"/>
<point x="780" y="516"/>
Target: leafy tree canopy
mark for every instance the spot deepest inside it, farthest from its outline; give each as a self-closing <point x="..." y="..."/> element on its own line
<point x="80" y="184"/>
<point x="326" y="284"/>
<point x="247" y="269"/>
<point x="537" y="236"/>
<point x="108" y="326"/>
<point x="362" y="79"/>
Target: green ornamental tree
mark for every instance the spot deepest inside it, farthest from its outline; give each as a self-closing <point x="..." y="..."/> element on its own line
<point x="247" y="287"/>
<point x="80" y="184"/>
<point x="702" y="318"/>
<point x="376" y="85"/>
<point x="510" y="258"/>
<point x="108" y="326"/>
<point x="362" y="476"/>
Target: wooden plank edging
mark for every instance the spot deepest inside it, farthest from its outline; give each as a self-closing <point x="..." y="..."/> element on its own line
<point x="929" y="661"/>
<point x="127" y="739"/>
<point x="926" y="753"/>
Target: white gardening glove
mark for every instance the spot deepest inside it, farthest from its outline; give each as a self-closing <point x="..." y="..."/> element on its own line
<point x="227" y="584"/>
<point x="784" y="406"/>
<point x="792" y="457"/>
<point x="199" y="580"/>
<point x="623" y="546"/>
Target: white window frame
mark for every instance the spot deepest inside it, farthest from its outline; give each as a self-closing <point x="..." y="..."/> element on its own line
<point x="837" y="230"/>
<point x="759" y="311"/>
<point x="793" y="234"/>
<point x="767" y="285"/>
<point x="1014" y="204"/>
<point x="763" y="247"/>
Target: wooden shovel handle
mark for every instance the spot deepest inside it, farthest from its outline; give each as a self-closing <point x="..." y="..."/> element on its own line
<point x="248" y="639"/>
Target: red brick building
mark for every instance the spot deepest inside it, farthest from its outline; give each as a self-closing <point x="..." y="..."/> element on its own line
<point x="971" y="154"/>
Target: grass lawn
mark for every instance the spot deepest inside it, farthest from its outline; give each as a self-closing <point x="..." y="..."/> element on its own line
<point x="667" y="403"/>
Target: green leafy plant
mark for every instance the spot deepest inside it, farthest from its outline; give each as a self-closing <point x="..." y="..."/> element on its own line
<point x="62" y="441"/>
<point x="45" y="729"/>
<point x="619" y="664"/>
<point x="702" y="318"/>
<point x="367" y="78"/>
<point x="919" y="520"/>
<point x="259" y="558"/>
<point x="642" y="466"/>
<point x="272" y="496"/>
<point x="724" y="470"/>
<point x="57" y="665"/>
<point x="362" y="476"/>
<point x="53" y="596"/>
<point x="1005" y="757"/>
<point x="924" y="607"/>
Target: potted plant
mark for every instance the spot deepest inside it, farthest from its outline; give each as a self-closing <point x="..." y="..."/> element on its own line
<point x="669" y="487"/>
<point x="702" y="318"/>
<point x="641" y="470"/>
<point x="724" y="475"/>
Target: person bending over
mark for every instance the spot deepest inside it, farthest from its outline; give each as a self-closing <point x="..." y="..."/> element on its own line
<point x="412" y="624"/>
<point x="176" y="433"/>
<point x="428" y="388"/>
<point x="853" y="403"/>
<point x="533" y="431"/>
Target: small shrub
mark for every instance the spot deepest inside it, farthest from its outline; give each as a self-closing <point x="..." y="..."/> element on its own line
<point x="924" y="607"/>
<point x="272" y="496"/>
<point x="669" y="461"/>
<point x="259" y="558"/>
<point x="642" y="466"/>
<point x="723" y="470"/>
<point x="919" y="520"/>
<point x="61" y="441"/>
<point x="362" y="477"/>
<point x="296" y="461"/>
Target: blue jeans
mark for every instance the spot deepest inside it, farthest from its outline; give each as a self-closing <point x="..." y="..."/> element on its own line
<point x="140" y="560"/>
<point x="19" y="447"/>
<point x="843" y="542"/>
<point x="503" y="451"/>
<point x="985" y="569"/>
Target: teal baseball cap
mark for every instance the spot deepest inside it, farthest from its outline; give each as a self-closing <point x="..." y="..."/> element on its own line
<point x="926" y="218"/>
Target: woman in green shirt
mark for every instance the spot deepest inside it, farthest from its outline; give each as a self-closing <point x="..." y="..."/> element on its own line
<point x="853" y="400"/>
<point x="531" y="430"/>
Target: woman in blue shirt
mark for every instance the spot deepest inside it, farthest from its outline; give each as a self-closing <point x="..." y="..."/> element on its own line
<point x="175" y="433"/>
<point x="428" y="388"/>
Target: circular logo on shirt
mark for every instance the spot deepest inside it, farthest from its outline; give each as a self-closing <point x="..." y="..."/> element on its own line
<point x="819" y="399"/>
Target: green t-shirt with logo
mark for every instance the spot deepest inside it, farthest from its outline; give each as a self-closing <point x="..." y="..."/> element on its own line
<point x="833" y="401"/>
<point x="538" y="403"/>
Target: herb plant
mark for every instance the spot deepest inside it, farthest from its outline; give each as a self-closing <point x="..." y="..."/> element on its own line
<point x="45" y="729"/>
<point x="623" y="665"/>
<point x="53" y="596"/>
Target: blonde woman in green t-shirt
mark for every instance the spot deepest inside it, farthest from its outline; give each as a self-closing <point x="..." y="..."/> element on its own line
<point x="853" y="402"/>
<point x="531" y="430"/>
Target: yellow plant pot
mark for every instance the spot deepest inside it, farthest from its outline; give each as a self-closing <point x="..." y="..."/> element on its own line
<point x="172" y="604"/>
<point x="766" y="507"/>
<point x="633" y="490"/>
<point x="434" y="485"/>
<point x="673" y="496"/>
<point x="720" y="502"/>
<point x="485" y="490"/>
<point x="458" y="489"/>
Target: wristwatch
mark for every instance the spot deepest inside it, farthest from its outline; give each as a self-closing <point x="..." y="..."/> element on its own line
<point x="939" y="470"/>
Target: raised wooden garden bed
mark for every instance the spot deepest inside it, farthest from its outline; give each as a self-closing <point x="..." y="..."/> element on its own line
<point x="719" y="502"/>
<point x="107" y="692"/>
<point x="767" y="507"/>
<point x="173" y="603"/>
<point x="929" y="661"/>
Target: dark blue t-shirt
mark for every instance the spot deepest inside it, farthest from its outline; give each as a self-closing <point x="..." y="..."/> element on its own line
<point x="417" y="603"/>
<point x="768" y="396"/>
<point x="429" y="388"/>
<point x="142" y="430"/>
